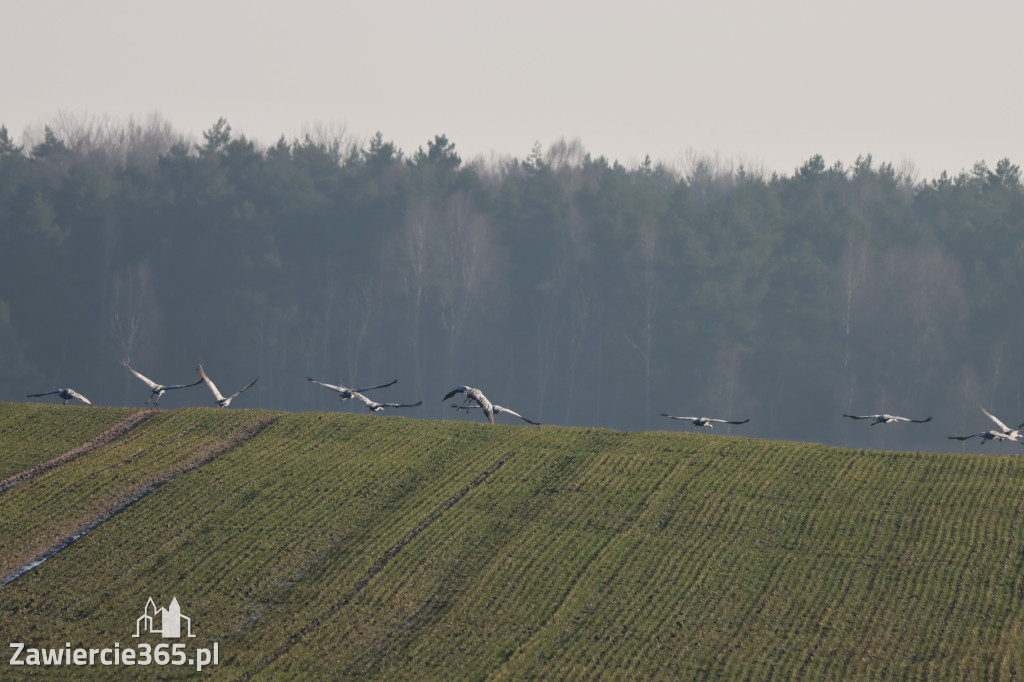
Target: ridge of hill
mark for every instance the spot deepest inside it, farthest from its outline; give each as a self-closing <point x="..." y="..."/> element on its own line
<point x="321" y="545"/>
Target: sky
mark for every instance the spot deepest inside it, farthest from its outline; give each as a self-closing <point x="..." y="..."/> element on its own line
<point x="926" y="86"/>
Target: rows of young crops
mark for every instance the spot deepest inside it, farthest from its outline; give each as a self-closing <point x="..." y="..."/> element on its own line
<point x="712" y="557"/>
<point x="33" y="432"/>
<point x="257" y="532"/>
<point x="330" y="545"/>
<point x="48" y="509"/>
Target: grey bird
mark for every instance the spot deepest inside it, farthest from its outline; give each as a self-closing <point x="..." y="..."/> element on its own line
<point x="498" y="409"/>
<point x="698" y="422"/>
<point x="345" y="393"/>
<point x="221" y="400"/>
<point x="1003" y="433"/>
<point x="486" y="406"/>
<point x="65" y="394"/>
<point x="477" y="396"/>
<point x="157" y="390"/>
<point x="887" y="419"/>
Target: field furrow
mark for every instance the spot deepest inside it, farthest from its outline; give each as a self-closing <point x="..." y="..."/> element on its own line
<point x="116" y="431"/>
<point x="31" y="433"/>
<point x="92" y="491"/>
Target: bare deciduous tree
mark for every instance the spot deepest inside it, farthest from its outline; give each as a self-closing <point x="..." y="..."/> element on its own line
<point x="470" y="278"/>
<point x="415" y="263"/>
<point x="132" y="309"/>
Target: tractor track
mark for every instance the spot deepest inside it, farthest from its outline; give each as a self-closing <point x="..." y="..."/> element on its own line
<point x="194" y="460"/>
<point x="113" y="433"/>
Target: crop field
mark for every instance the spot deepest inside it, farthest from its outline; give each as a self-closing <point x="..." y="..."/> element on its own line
<point x="330" y="545"/>
<point x="32" y="432"/>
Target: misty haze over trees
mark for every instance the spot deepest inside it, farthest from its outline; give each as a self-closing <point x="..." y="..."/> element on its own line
<point x="572" y="288"/>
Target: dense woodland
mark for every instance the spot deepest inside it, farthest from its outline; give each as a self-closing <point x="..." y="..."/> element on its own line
<point x="573" y="289"/>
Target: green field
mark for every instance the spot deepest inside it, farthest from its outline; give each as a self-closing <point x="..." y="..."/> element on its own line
<point x="330" y="545"/>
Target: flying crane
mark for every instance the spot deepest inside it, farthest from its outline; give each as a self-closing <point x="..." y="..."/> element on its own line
<point x="498" y="409"/>
<point x="887" y="418"/>
<point x="486" y="406"/>
<point x="157" y="390"/>
<point x="699" y="422"/>
<point x="345" y="393"/>
<point x="65" y="394"/>
<point x="1003" y="433"/>
<point x="221" y="400"/>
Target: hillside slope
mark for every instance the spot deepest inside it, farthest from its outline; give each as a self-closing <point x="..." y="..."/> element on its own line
<point x="335" y="544"/>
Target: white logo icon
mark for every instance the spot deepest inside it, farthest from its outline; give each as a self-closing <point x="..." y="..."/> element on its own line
<point x="161" y="621"/>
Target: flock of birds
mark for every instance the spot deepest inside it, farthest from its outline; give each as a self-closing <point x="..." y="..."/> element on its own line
<point x="474" y="399"/>
<point x="1004" y="432"/>
<point x="157" y="390"/>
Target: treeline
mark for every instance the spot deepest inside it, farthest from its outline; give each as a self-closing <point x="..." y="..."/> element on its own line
<point x="570" y="288"/>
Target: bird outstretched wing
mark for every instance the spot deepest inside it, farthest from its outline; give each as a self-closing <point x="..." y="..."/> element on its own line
<point x="373" y="405"/>
<point x="212" y="386"/>
<point x="370" y="388"/>
<point x="500" y="409"/>
<point x="246" y="388"/>
<point x="78" y="396"/>
<point x="174" y="386"/>
<point x="1001" y="425"/>
<point x="460" y="389"/>
<point x="339" y="389"/>
<point x="146" y="380"/>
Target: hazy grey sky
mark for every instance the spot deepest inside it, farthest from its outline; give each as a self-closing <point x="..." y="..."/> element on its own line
<point x="936" y="83"/>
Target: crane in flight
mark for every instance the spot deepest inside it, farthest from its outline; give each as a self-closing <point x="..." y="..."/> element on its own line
<point x="488" y="408"/>
<point x="65" y="394"/>
<point x="698" y="422"/>
<point x="498" y="409"/>
<point x="221" y="400"/>
<point x="1003" y="433"/>
<point x="344" y="392"/>
<point x="157" y="390"/>
<point x="887" y="419"/>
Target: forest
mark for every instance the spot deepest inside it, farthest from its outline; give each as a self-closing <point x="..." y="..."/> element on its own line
<point x="573" y="289"/>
